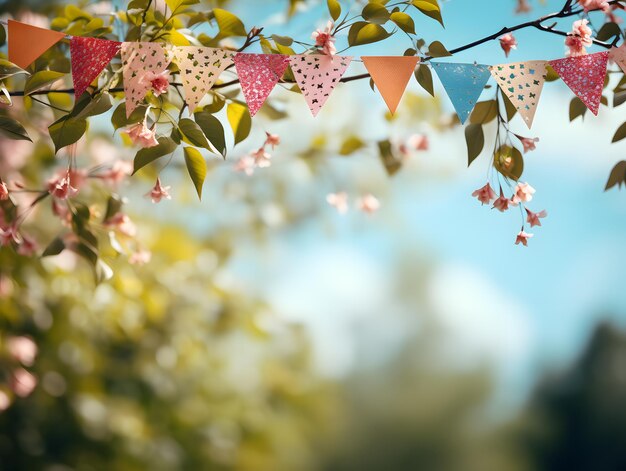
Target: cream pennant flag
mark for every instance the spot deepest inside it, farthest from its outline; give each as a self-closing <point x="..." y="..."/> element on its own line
<point x="140" y="62"/>
<point x="391" y="75"/>
<point x="258" y="75"/>
<point x="200" y="67"/>
<point x="618" y="55"/>
<point x="522" y="83"/>
<point x="317" y="75"/>
<point x="584" y="75"/>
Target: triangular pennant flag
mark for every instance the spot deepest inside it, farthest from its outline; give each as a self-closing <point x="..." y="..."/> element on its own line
<point x="89" y="57"/>
<point x="618" y="55"/>
<point x="200" y="67"/>
<point x="464" y="83"/>
<point x="27" y="43"/>
<point x="317" y="75"/>
<point x="522" y="83"/>
<point x="258" y="75"/>
<point x="138" y="60"/>
<point x="391" y="75"/>
<point x="584" y="75"/>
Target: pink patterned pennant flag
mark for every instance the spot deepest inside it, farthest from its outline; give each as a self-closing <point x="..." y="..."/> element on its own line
<point x="618" y="55"/>
<point x="138" y="60"/>
<point x="200" y="67"/>
<point x="258" y="75"/>
<point x="89" y="57"/>
<point x="317" y="75"/>
<point x="584" y="75"/>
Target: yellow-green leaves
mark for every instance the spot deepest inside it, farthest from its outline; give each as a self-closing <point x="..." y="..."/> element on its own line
<point x="213" y="130"/>
<point x="437" y="49"/>
<point x="240" y="121"/>
<point x="403" y="21"/>
<point x="351" y="145"/>
<point x="362" y="32"/>
<point x="13" y="130"/>
<point x="617" y="177"/>
<point x="375" y="13"/>
<point x="475" y="140"/>
<point x="196" y="166"/>
<point x="228" y="23"/>
<point x="150" y="154"/>
<point x="484" y="112"/>
<point x="509" y="162"/>
<point x="429" y="8"/>
<point x="620" y="133"/>
<point x="334" y="8"/>
<point x="66" y="130"/>
<point x="424" y="77"/>
<point x="41" y="79"/>
<point x="391" y="163"/>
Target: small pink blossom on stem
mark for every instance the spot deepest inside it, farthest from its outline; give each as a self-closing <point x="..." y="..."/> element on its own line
<point x="502" y="203"/>
<point x="272" y="140"/>
<point x="368" y="203"/>
<point x="485" y="194"/>
<point x="529" y="143"/>
<point x="508" y="43"/>
<point x="523" y="193"/>
<point x="118" y="172"/>
<point x="9" y="235"/>
<point x="4" y="191"/>
<point x="261" y="158"/>
<point x="122" y="223"/>
<point x="143" y="136"/>
<point x="339" y="201"/>
<point x="533" y="218"/>
<point x="159" y="82"/>
<point x="62" y="188"/>
<point x="28" y="247"/>
<point x="159" y="192"/>
<point x="23" y="383"/>
<point x="140" y="257"/>
<point x="522" y="238"/>
<point x="589" y="5"/>
<point x="23" y="349"/>
<point x="579" y="38"/>
<point x="325" y="40"/>
<point x="245" y="164"/>
<point x="418" y="142"/>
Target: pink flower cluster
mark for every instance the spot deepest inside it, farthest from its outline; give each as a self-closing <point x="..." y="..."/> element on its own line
<point x="367" y="203"/>
<point x="522" y="193"/>
<point x="259" y="158"/>
<point x="579" y="38"/>
<point x="415" y="142"/>
<point x="21" y="382"/>
<point x="158" y="192"/>
<point x="141" y="135"/>
<point x="508" y="43"/>
<point x="325" y="40"/>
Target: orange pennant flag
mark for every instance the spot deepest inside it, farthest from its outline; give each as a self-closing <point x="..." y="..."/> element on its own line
<point x="27" y="43"/>
<point x="391" y="75"/>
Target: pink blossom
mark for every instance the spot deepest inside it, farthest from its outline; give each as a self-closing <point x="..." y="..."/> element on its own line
<point x="62" y="187"/>
<point x="522" y="6"/>
<point x="272" y="140"/>
<point x="325" y="39"/>
<point x="159" y="192"/>
<point x="522" y="237"/>
<point x="418" y="142"/>
<point x="589" y="5"/>
<point x="4" y="191"/>
<point x="502" y="203"/>
<point x="28" y="247"/>
<point x="23" y="349"/>
<point x="140" y="257"/>
<point x="523" y="193"/>
<point x="529" y="143"/>
<point x="23" y="383"/>
<point x="141" y="135"/>
<point x="533" y="218"/>
<point x="339" y="201"/>
<point x="159" y="82"/>
<point x="245" y="164"/>
<point x="507" y="43"/>
<point x="579" y="38"/>
<point x="118" y="172"/>
<point x="485" y="194"/>
<point x="368" y="203"/>
<point x="261" y="158"/>
<point x="9" y="235"/>
<point x="123" y="224"/>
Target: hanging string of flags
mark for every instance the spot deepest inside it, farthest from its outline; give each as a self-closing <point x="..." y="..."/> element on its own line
<point x="315" y="74"/>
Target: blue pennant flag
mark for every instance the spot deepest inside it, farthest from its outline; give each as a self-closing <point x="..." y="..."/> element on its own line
<point x="464" y="83"/>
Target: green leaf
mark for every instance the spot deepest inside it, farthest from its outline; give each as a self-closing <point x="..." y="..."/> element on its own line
<point x="196" y="166"/>
<point x="3" y="36"/>
<point x="424" y="77"/>
<point x="366" y="33"/>
<point x="54" y="248"/>
<point x="102" y="271"/>
<point x="609" y="30"/>
<point x="8" y="69"/>
<point x="391" y="163"/>
<point x="240" y="121"/>
<point x="484" y="112"/>
<point x="509" y="162"/>
<point x="437" y="49"/>
<point x="351" y="145"/>
<point x="95" y="106"/>
<point x="41" y="79"/>
<point x="213" y="130"/>
<point x="150" y="154"/>
<point x="576" y="108"/>
<point x="228" y="23"/>
<point x="192" y="134"/>
<point x="334" y="8"/>
<point x="404" y="22"/>
<point x="119" y="119"/>
<point x="617" y="176"/>
<point x="508" y="106"/>
<point x="285" y="41"/>
<point x="475" y="139"/>
<point x="429" y="8"/>
<point x="375" y="13"/>
<point x="13" y="129"/>
<point x="66" y="131"/>
<point x="620" y="133"/>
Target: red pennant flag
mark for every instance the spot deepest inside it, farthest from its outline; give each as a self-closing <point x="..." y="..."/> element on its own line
<point x="258" y="75"/>
<point x="27" y="43"/>
<point x="584" y="75"/>
<point x="89" y="57"/>
<point x="391" y="75"/>
<point x="317" y="75"/>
